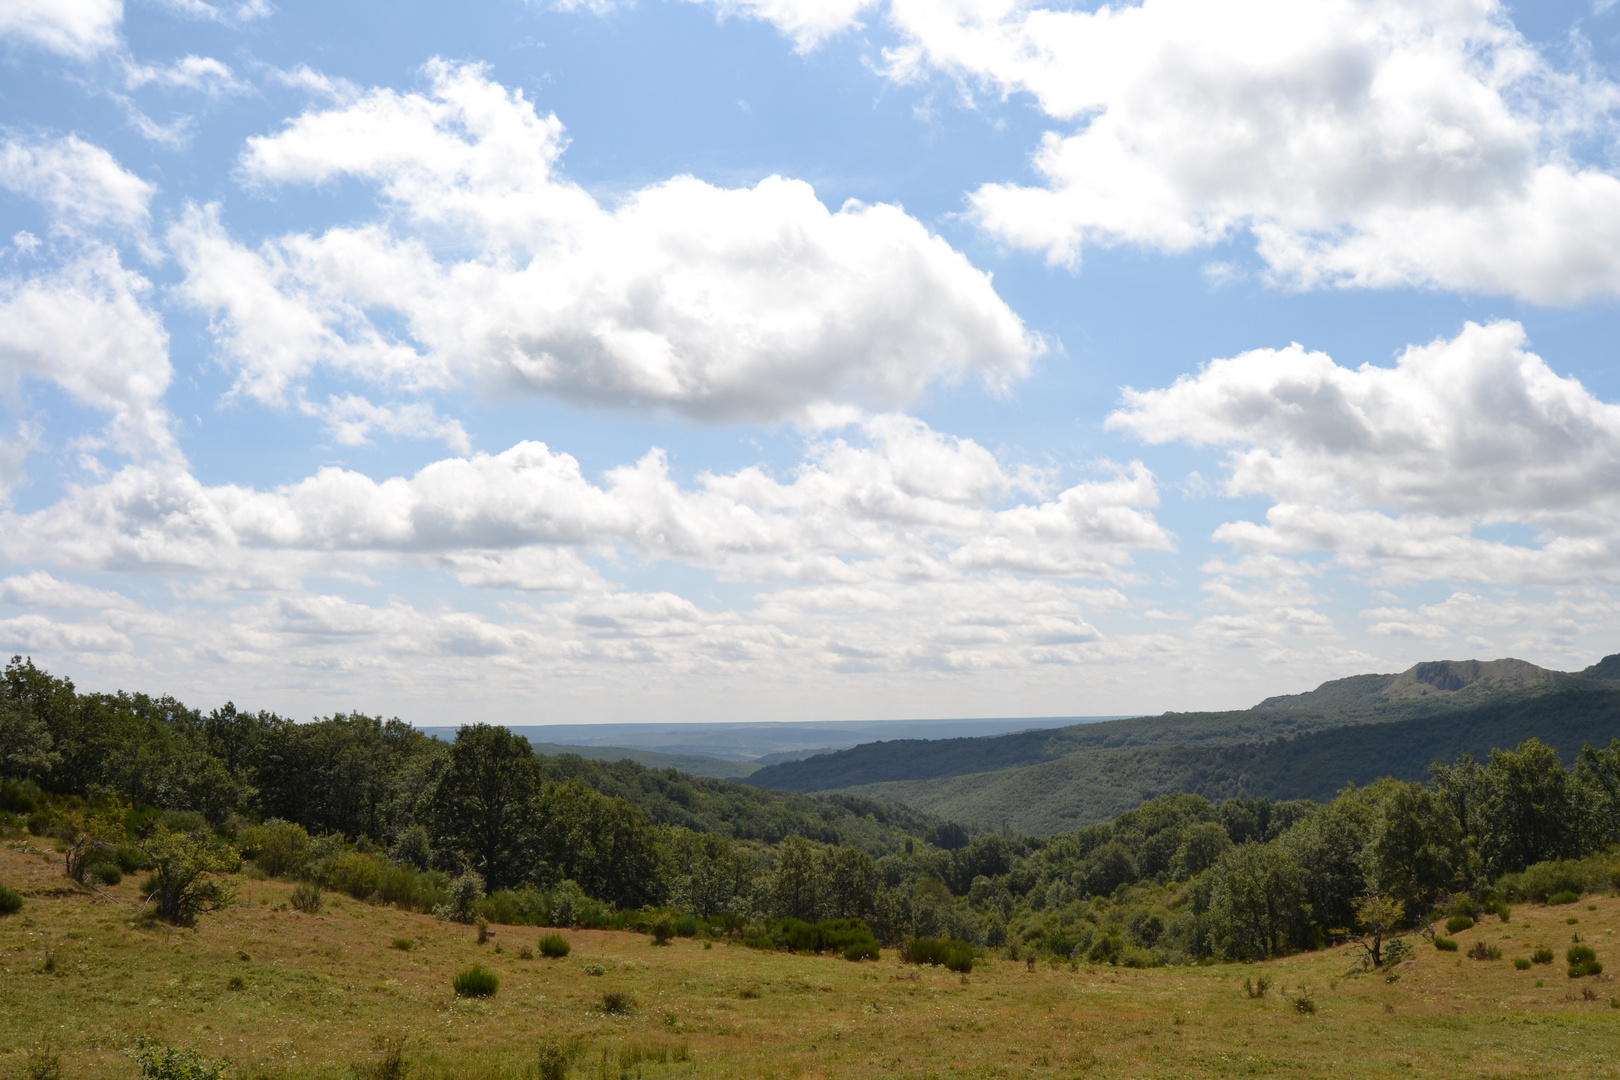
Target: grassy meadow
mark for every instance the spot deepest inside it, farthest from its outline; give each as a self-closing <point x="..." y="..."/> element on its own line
<point x="280" y="993"/>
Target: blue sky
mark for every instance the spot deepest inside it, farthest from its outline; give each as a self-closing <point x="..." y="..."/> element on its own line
<point x="776" y="359"/>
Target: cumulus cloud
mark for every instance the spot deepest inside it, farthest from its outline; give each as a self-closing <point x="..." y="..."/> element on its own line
<point x="352" y="419"/>
<point x="807" y="22"/>
<point x="75" y="28"/>
<point x="718" y="304"/>
<point x="1361" y="142"/>
<point x="909" y="504"/>
<point x="1409" y="469"/>
<point x="79" y="184"/>
<point x="87" y="327"/>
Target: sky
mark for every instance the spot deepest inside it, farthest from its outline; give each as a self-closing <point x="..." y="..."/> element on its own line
<point x="707" y="360"/>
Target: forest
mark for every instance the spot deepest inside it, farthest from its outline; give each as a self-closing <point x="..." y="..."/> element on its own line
<point x="485" y="828"/>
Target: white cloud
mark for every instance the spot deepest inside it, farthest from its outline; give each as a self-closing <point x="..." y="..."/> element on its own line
<point x="1412" y="470"/>
<point x="1361" y="142"/>
<point x="807" y="22"/>
<point x="241" y="12"/>
<point x="719" y="304"/>
<point x="352" y="419"/>
<point x="40" y="589"/>
<point x="81" y="185"/>
<point x="76" y="28"/>
<point x="87" y="328"/>
<point x="910" y="505"/>
<point x="200" y="74"/>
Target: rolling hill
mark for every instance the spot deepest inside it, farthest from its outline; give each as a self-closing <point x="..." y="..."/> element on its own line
<point x="1303" y="746"/>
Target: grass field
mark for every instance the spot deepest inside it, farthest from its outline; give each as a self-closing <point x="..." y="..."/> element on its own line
<point x="285" y="994"/>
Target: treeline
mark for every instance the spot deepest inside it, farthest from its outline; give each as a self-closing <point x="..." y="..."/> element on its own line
<point x="483" y="826"/>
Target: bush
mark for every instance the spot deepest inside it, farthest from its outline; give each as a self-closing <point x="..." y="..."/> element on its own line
<point x="554" y="946"/>
<point x="1458" y="923"/>
<point x="1543" y="955"/>
<point x="476" y="981"/>
<point x="277" y="847"/>
<point x="1522" y="963"/>
<point x="20" y="796"/>
<point x="185" y="879"/>
<point x="390" y="1063"/>
<point x="462" y="903"/>
<point x="11" y="901"/>
<point x="159" y="1062"/>
<point x="1546" y="879"/>
<point x="358" y="875"/>
<point x="1445" y="944"/>
<point x="1305" y="1005"/>
<point x="108" y="873"/>
<point x="306" y="897"/>
<point x="595" y="969"/>
<point x="1256" y="989"/>
<point x="841" y="936"/>
<point x="862" y="950"/>
<point x="955" y="955"/>
<point x="1568" y="896"/>
<point x="404" y="944"/>
<point x="663" y="928"/>
<point x="1582" y="961"/>
<point x="1482" y="951"/>
<point x="687" y="926"/>
<point x="618" y="1002"/>
<point x="43" y="1063"/>
<point x="553" y="1060"/>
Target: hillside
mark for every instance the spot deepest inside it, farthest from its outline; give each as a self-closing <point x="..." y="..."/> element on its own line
<point x="1092" y="785"/>
<point x="281" y="994"/>
<point x="1298" y="746"/>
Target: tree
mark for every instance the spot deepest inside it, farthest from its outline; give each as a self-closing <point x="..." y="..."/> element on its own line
<point x="483" y="808"/>
<point x="795" y="887"/>
<point x="1529" y="812"/>
<point x="25" y="743"/>
<point x="849" y="884"/>
<point x="606" y="845"/>
<point x="1377" y="916"/>
<point x="1201" y="847"/>
<point x="1328" y="847"/>
<point x="187" y="867"/>
<point x="1257" y="906"/>
<point x="1415" y="853"/>
<point x="708" y="875"/>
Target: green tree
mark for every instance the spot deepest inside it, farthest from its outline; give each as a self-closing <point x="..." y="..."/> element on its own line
<point x="1529" y="812"/>
<point x="708" y="876"/>
<point x="1257" y="905"/>
<point x="25" y="743"/>
<point x="1201" y="847"/>
<point x="1328" y="847"/>
<point x="849" y="884"/>
<point x="606" y="845"/>
<point x="483" y="808"/>
<point x="1416" y="851"/>
<point x="795" y="885"/>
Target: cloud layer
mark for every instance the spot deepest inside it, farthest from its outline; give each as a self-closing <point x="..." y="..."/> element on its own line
<point x="752" y="304"/>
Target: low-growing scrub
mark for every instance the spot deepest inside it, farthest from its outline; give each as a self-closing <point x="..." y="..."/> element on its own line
<point x="1458" y="923"/>
<point x="1482" y="951"/>
<point x="159" y="1062"/>
<point x="11" y="901"/>
<point x="476" y="981"/>
<point x="1583" y="961"/>
<point x="1543" y="955"/>
<point x="306" y="897"/>
<point x="955" y="955"/>
<point x="554" y="946"/>
<point x="1568" y="896"/>
<point x="618" y="1002"/>
<point x="1521" y="963"/>
<point x="1445" y="944"/>
<point x="851" y="938"/>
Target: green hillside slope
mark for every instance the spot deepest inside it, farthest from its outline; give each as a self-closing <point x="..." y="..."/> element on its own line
<point x="1097" y="783"/>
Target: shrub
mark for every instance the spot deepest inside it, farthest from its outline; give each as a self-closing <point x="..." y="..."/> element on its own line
<point x="554" y="946"/>
<point x="108" y="873"/>
<point x="618" y="1002"/>
<point x="358" y="875"/>
<point x="1258" y="988"/>
<point x="1482" y="951"/>
<point x="185" y="874"/>
<point x="483" y="930"/>
<point x="955" y="955"/>
<point x="862" y="950"/>
<point x="1305" y="1005"/>
<point x="159" y="1062"/>
<point x="1522" y="963"/>
<point x="404" y="944"/>
<point x="594" y="969"/>
<point x="1445" y="944"/>
<point x="1545" y="879"/>
<point x="553" y="1060"/>
<point x="462" y="903"/>
<point x="476" y="981"/>
<point x="43" y="1063"/>
<point x="277" y="847"/>
<point x="1458" y="923"/>
<point x="1568" y="896"/>
<point x="390" y="1063"/>
<point x="20" y="796"/>
<point x="1543" y="955"/>
<point x="1582" y="961"/>
<point x="687" y="926"/>
<point x="11" y="901"/>
<point x="663" y="928"/>
<point x="306" y="897"/>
